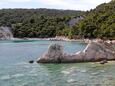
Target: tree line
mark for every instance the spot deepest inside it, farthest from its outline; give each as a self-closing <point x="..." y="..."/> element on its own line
<point x="37" y="22"/>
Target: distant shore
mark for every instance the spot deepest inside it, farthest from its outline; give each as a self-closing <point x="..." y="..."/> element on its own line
<point x="59" y="38"/>
<point x="50" y="39"/>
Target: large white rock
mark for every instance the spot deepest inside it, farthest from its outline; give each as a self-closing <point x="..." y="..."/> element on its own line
<point x="95" y="51"/>
<point x="54" y="54"/>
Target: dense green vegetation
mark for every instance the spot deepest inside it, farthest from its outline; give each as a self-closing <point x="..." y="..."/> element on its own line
<point x="98" y="23"/>
<point x="37" y="22"/>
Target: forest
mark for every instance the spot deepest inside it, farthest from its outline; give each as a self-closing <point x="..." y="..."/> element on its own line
<point x="40" y="23"/>
<point x="98" y="23"/>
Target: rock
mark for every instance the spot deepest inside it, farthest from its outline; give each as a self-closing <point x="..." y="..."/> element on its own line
<point x="54" y="54"/>
<point x="95" y="51"/>
<point x="98" y="51"/>
<point x="5" y="33"/>
<point x="74" y="20"/>
<point x="103" y="62"/>
<point x="31" y="61"/>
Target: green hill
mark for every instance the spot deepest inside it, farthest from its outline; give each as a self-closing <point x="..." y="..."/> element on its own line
<point x="37" y="22"/>
<point x="98" y="23"/>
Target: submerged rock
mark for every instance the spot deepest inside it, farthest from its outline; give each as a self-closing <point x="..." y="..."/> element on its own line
<point x="95" y="51"/>
<point x="31" y="61"/>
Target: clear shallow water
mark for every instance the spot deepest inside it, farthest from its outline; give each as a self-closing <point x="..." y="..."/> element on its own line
<point x="16" y="71"/>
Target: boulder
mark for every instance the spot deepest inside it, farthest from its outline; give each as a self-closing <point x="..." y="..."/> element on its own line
<point x="95" y="51"/>
<point x="54" y="54"/>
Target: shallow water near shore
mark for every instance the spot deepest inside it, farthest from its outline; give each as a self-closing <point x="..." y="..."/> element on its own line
<point x="16" y="71"/>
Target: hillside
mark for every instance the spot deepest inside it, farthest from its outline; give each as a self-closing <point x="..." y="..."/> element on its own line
<point x="98" y="23"/>
<point x="37" y="22"/>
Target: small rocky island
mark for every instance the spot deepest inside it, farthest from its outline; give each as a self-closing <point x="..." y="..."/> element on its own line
<point x="95" y="51"/>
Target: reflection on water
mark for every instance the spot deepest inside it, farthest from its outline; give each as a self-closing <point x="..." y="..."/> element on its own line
<point x="16" y="71"/>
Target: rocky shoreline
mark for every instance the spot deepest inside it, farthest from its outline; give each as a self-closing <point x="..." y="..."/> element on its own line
<point x="67" y="39"/>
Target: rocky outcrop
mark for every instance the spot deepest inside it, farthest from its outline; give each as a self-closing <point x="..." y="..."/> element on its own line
<point x="74" y="20"/>
<point x="54" y="54"/>
<point x="95" y="51"/>
<point x="5" y="33"/>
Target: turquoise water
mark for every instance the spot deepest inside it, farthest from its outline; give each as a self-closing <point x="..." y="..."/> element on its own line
<point x="16" y="71"/>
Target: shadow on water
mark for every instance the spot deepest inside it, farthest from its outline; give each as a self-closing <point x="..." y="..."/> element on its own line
<point x="21" y="41"/>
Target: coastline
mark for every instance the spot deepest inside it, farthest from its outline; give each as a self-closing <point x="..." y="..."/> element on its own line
<point x="50" y="39"/>
<point x="59" y="38"/>
<point x="62" y="38"/>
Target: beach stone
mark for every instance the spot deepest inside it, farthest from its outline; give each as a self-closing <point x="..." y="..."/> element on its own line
<point x="103" y="62"/>
<point x="95" y="51"/>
